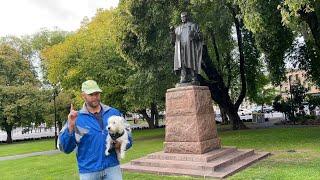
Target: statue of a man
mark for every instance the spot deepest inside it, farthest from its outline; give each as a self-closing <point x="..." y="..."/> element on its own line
<point x="188" y="50"/>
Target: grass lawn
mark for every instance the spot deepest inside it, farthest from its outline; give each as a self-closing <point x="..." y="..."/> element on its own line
<point x="295" y="155"/>
<point x="45" y="145"/>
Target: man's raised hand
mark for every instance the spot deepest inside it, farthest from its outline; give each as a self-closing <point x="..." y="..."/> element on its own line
<point x="72" y="117"/>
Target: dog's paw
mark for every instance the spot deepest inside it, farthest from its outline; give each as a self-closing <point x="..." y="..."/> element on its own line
<point x="107" y="152"/>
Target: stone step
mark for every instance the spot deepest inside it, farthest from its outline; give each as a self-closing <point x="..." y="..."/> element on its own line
<point x="165" y="170"/>
<point x="211" y="166"/>
<point x="231" y="158"/>
<point x="206" y="157"/>
<point x="232" y="169"/>
<point x="240" y="160"/>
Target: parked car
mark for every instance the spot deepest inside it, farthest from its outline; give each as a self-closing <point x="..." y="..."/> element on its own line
<point x="266" y="109"/>
<point x="218" y="117"/>
<point x="245" y="114"/>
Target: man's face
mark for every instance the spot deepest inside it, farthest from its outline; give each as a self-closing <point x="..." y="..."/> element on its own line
<point x="92" y="100"/>
<point x="184" y="18"/>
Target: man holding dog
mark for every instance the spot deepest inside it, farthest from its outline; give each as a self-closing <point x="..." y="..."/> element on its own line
<point x="86" y="130"/>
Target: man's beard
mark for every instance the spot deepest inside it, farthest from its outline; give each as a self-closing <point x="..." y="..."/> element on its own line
<point x="94" y="104"/>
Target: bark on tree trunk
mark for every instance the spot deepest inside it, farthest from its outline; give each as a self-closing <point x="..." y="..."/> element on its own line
<point x="155" y="114"/>
<point x="147" y="118"/>
<point x="223" y="115"/>
<point x="219" y="92"/>
<point x="9" y="136"/>
<point x="239" y="25"/>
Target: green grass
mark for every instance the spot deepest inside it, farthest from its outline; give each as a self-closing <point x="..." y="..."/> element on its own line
<point x="45" y="145"/>
<point x="26" y="147"/>
<point x="295" y="155"/>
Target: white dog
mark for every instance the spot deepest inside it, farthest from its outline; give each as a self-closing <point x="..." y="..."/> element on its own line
<point x="118" y="132"/>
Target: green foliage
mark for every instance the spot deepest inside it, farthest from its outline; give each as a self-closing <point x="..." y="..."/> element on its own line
<point x="307" y="58"/>
<point x="272" y="38"/>
<point x="290" y="11"/>
<point x="14" y="68"/>
<point x="282" y="106"/>
<point x="313" y="101"/>
<point x="21" y="105"/>
<point x="144" y="42"/>
<point x="63" y="100"/>
<point x="21" y="101"/>
<point x="298" y="94"/>
<point x="265" y="92"/>
<point x="90" y="54"/>
<point x="255" y="78"/>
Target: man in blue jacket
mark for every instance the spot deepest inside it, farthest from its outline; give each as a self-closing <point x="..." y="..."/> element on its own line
<point x="86" y="132"/>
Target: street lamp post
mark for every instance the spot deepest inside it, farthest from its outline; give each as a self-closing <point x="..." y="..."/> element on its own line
<point x="291" y="104"/>
<point x="55" y="94"/>
<point x="55" y="116"/>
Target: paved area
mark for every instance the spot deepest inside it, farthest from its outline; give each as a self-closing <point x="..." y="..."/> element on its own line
<point x="29" y="155"/>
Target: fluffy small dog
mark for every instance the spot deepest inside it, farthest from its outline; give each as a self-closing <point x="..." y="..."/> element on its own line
<point x="118" y="132"/>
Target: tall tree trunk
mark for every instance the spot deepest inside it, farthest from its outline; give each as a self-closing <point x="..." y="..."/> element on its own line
<point x="9" y="137"/>
<point x="147" y="118"/>
<point x="8" y="129"/>
<point x="224" y="116"/>
<point x="155" y="112"/>
<point x="219" y="92"/>
<point x="238" y="22"/>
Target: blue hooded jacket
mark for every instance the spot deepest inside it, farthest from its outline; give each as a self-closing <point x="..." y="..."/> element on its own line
<point x="89" y="140"/>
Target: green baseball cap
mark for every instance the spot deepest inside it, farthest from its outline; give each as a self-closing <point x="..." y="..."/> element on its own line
<point x="90" y="86"/>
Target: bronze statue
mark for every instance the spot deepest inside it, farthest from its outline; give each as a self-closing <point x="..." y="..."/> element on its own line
<point x="188" y="50"/>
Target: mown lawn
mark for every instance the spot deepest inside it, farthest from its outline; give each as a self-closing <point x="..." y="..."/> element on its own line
<point x="295" y="155"/>
<point x="45" y="145"/>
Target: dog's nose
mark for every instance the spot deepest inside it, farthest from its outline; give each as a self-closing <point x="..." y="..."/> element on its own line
<point x="108" y="128"/>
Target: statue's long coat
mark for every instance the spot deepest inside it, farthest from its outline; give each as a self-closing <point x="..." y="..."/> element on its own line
<point x="188" y="51"/>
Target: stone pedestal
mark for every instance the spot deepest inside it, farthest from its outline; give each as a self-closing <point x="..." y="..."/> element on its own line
<point x="190" y="121"/>
<point x="192" y="146"/>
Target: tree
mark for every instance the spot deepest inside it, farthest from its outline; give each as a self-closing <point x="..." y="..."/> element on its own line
<point x="18" y="90"/>
<point x="89" y="53"/>
<point x="297" y="13"/>
<point x="41" y="40"/>
<point x="145" y="31"/>
<point x="283" y="106"/>
<point x="313" y="102"/>
<point x="143" y="41"/>
<point x="298" y="95"/>
<point x="265" y="93"/>
<point x="63" y="101"/>
<point x="272" y="38"/>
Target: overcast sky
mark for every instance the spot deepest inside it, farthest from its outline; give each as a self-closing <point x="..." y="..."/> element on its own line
<point x="22" y="17"/>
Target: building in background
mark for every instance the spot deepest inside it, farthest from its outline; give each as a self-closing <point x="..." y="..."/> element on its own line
<point x="295" y="77"/>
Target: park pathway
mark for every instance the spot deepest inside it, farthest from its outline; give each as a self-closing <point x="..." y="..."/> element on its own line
<point x="20" y="156"/>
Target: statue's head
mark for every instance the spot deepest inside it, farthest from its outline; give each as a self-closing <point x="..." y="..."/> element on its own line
<point x="184" y="17"/>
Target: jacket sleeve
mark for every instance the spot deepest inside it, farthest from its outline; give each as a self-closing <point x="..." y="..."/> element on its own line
<point x="66" y="140"/>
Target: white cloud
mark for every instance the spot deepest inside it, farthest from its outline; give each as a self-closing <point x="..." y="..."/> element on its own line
<point x="21" y="17"/>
